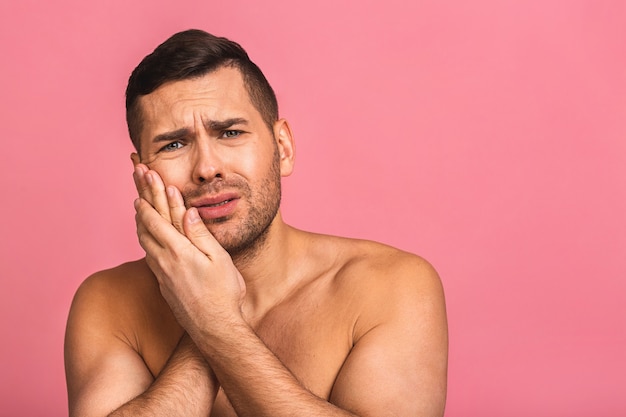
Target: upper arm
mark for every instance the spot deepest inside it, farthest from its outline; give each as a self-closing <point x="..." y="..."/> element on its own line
<point x="398" y="365"/>
<point x="103" y="370"/>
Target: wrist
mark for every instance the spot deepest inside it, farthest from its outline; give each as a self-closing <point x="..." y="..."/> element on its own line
<point x="223" y="333"/>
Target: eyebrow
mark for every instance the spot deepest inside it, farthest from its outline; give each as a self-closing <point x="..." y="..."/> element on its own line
<point x="214" y="125"/>
<point x="225" y="124"/>
<point x="173" y="135"/>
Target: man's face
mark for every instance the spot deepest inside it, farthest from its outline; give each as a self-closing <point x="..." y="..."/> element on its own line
<point x="205" y="137"/>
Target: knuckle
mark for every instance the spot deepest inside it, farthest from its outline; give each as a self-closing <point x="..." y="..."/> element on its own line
<point x="178" y="225"/>
<point x="151" y="225"/>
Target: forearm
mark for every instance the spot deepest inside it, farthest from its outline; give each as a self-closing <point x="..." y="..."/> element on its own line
<point x="256" y="382"/>
<point x="186" y="386"/>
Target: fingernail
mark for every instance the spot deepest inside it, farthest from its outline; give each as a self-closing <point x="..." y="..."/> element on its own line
<point x="149" y="178"/>
<point x="194" y="217"/>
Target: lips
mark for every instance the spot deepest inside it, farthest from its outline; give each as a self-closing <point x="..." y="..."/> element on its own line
<point x="216" y="207"/>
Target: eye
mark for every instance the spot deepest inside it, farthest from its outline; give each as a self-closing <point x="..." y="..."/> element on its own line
<point x="172" y="146"/>
<point x="229" y="134"/>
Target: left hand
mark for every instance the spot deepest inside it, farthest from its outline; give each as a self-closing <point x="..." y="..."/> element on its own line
<point x="196" y="275"/>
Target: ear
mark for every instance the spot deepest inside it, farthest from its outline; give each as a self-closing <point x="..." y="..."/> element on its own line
<point x="286" y="146"/>
<point x="135" y="158"/>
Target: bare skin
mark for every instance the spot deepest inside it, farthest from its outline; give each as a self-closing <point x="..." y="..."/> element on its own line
<point x="294" y="324"/>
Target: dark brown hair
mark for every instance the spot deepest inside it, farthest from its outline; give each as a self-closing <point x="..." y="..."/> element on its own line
<point x="191" y="54"/>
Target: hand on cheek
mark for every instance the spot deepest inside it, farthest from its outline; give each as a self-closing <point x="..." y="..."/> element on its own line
<point x="187" y="261"/>
<point x="177" y="207"/>
<point x="150" y="187"/>
<point x="196" y="275"/>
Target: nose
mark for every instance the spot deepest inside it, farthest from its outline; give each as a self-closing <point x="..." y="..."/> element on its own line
<point x="207" y="164"/>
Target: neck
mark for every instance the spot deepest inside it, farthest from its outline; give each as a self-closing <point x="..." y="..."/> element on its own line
<point x="266" y="267"/>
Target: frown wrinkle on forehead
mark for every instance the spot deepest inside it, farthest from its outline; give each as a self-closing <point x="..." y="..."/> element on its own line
<point x="212" y="102"/>
<point x="209" y="125"/>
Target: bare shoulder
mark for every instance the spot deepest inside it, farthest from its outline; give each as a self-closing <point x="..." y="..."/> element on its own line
<point x="116" y="286"/>
<point x="384" y="264"/>
<point x="382" y="270"/>
<point x="124" y="302"/>
<point x="130" y="275"/>
<point x="398" y="363"/>
<point x="116" y="318"/>
<point x="115" y="293"/>
<point x="119" y="306"/>
<point x="381" y="283"/>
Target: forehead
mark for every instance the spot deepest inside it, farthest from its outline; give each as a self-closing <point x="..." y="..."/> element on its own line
<point x="218" y="95"/>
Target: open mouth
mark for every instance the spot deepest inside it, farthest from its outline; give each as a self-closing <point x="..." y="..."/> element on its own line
<point x="212" y="210"/>
<point x="218" y="204"/>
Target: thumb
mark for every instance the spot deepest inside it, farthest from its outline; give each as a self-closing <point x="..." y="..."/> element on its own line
<point x="198" y="234"/>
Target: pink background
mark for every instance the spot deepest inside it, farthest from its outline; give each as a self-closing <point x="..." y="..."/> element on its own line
<point x="488" y="136"/>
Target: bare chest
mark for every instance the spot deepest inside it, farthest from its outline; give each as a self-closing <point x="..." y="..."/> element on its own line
<point x="312" y="345"/>
<point x="310" y="336"/>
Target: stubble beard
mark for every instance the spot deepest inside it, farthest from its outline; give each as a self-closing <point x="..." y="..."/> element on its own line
<point x="246" y="238"/>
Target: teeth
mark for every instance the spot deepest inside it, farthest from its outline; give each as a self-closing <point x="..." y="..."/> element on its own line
<point x="218" y="204"/>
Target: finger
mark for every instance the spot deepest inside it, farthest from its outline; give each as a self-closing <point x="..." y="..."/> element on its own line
<point x="176" y="206"/>
<point x="197" y="232"/>
<point x="139" y="176"/>
<point x="157" y="228"/>
<point x="150" y="187"/>
<point x="149" y="244"/>
<point x="159" y="196"/>
<point x="155" y="252"/>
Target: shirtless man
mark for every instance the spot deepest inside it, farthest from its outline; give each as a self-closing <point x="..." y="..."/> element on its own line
<point x="232" y="312"/>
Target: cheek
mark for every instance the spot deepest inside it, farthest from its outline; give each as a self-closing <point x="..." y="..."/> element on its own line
<point x="258" y="166"/>
<point x="249" y="164"/>
<point x="173" y="172"/>
<point x="246" y="161"/>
